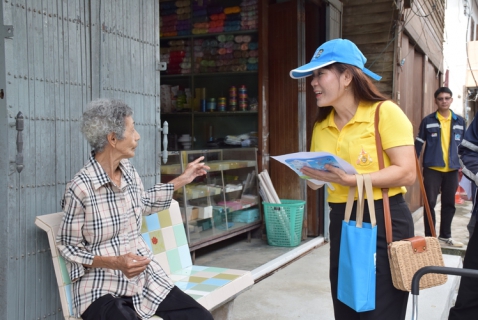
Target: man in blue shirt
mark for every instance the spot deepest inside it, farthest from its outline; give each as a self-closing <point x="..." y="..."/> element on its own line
<point x="441" y="132"/>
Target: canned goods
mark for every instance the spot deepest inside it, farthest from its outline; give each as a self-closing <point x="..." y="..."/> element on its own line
<point x="221" y="104"/>
<point x="242" y="98"/>
<point x="232" y="92"/>
<point x="242" y="105"/>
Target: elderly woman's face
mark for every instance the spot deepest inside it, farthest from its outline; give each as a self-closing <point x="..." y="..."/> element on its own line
<point x="128" y="145"/>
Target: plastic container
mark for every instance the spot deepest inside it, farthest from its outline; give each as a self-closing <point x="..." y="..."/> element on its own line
<point x="246" y="216"/>
<point x="180" y="100"/>
<point x="284" y="222"/>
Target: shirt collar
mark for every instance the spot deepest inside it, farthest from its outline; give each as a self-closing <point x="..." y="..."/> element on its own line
<point x="99" y="176"/>
<point x="361" y="115"/>
<point x="453" y="115"/>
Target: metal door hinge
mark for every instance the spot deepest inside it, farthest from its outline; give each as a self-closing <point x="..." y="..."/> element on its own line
<point x="19" y="127"/>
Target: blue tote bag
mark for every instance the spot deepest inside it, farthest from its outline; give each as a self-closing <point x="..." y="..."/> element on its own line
<point x="358" y="246"/>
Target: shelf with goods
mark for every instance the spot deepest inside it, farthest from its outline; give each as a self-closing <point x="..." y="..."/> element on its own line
<point x="224" y="202"/>
<point x="203" y="64"/>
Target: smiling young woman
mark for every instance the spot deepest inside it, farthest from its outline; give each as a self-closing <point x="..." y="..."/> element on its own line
<point x="346" y="101"/>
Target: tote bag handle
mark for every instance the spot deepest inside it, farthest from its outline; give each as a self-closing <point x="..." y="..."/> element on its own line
<point x="362" y="181"/>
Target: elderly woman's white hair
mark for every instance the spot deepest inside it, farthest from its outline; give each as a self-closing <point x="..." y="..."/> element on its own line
<point x="102" y="117"/>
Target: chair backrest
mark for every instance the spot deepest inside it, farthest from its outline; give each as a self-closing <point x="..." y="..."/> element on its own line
<point x="163" y="232"/>
<point x="50" y="223"/>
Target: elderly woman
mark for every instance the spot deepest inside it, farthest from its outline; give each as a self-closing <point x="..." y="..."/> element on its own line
<point x="114" y="274"/>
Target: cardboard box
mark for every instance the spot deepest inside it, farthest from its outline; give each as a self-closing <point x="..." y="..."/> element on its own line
<point x="205" y="212"/>
<point x="192" y="213"/>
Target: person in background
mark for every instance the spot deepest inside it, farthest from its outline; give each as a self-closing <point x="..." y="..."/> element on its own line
<point x="441" y="132"/>
<point x="466" y="305"/>
<point x="113" y="272"/>
<point x="471" y="224"/>
<point x="347" y="100"/>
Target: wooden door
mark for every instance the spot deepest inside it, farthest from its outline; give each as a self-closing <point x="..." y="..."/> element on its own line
<point x="295" y="31"/>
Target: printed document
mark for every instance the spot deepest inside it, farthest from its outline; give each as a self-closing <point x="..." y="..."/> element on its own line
<point x="316" y="160"/>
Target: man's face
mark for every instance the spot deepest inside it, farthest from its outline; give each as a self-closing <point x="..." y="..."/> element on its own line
<point x="443" y="101"/>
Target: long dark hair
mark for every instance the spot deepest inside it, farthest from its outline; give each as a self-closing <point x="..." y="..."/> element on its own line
<point x="363" y="88"/>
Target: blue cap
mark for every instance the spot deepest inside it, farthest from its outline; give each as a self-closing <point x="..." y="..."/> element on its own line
<point x="337" y="50"/>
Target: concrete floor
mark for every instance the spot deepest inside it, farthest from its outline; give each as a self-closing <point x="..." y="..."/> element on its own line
<point x="458" y="228"/>
<point x="301" y="289"/>
<point x="237" y="253"/>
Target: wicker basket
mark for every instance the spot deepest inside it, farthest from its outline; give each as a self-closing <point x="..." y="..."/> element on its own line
<point x="405" y="261"/>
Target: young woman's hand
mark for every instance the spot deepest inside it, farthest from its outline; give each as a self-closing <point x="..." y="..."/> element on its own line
<point x="333" y="174"/>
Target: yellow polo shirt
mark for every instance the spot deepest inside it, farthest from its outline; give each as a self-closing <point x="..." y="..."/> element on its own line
<point x="445" y="124"/>
<point x="355" y="143"/>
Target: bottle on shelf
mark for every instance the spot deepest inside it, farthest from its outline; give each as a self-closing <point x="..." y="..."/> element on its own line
<point x="211" y="105"/>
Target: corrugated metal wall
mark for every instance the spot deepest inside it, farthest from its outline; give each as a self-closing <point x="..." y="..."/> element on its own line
<point x="64" y="53"/>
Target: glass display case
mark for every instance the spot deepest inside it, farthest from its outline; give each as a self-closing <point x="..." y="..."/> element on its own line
<point x="224" y="202"/>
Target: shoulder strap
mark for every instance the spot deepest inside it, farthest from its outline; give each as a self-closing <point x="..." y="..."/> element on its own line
<point x="386" y="202"/>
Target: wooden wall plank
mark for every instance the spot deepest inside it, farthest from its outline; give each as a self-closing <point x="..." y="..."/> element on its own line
<point x="283" y="119"/>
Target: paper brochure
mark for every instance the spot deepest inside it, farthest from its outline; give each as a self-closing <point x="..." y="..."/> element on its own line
<point x="316" y="160"/>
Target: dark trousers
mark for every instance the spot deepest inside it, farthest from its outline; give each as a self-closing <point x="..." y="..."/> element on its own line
<point x="446" y="183"/>
<point x="390" y="303"/>
<point x="177" y="305"/>
<point x="466" y="305"/>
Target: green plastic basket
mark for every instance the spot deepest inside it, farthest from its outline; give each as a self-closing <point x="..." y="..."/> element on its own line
<point x="284" y="222"/>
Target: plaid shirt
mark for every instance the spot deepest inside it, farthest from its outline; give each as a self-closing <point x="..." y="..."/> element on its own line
<point x="103" y="220"/>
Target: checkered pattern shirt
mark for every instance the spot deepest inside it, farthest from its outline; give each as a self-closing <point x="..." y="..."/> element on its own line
<point x="101" y="219"/>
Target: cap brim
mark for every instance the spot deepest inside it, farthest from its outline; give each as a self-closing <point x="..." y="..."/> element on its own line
<point x="371" y="74"/>
<point x="306" y="69"/>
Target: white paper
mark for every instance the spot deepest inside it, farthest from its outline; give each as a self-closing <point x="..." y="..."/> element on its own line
<point x="316" y="160"/>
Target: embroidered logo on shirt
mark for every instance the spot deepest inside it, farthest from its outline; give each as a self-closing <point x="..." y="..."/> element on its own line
<point x="364" y="159"/>
<point x="457" y="136"/>
<point x="434" y="134"/>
